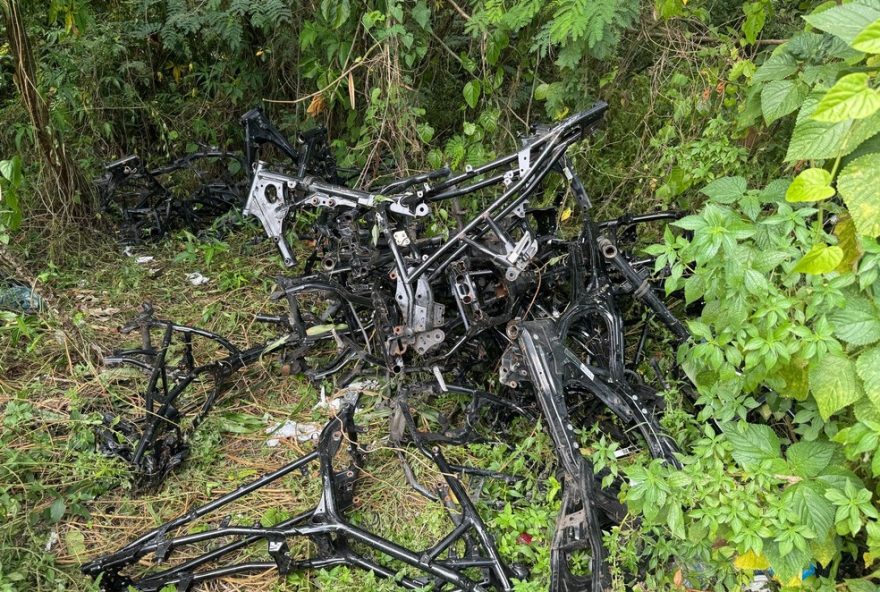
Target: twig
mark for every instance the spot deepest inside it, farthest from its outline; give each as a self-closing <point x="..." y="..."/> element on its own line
<point x="336" y="80"/>
<point x="459" y="10"/>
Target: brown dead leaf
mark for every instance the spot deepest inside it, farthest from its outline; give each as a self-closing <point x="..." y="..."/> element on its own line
<point x="317" y="106"/>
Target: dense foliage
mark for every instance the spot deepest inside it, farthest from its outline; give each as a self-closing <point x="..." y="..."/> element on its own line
<point x="761" y="118"/>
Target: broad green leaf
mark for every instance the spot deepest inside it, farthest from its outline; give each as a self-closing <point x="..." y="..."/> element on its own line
<point x="868" y="40"/>
<point x="788" y="567"/>
<point x="755" y="282"/>
<point x="11" y="170"/>
<point x="797" y="382"/>
<point x="810" y="185"/>
<point x="820" y="259"/>
<point x="834" y="383"/>
<point x="779" y="98"/>
<point x="849" y="98"/>
<point x="847" y="20"/>
<point x="858" y="184"/>
<point x="725" y="190"/>
<point x="807" y="500"/>
<point x="824" y="550"/>
<point x="813" y="139"/>
<point x="675" y="520"/>
<point x="472" y="93"/>
<point x="778" y="66"/>
<point x="56" y="511"/>
<point x="858" y="322"/>
<point x="421" y="14"/>
<point x="864" y="585"/>
<point x="753" y="444"/>
<point x="848" y="241"/>
<point x="75" y="543"/>
<point x="808" y="459"/>
<point x="868" y="369"/>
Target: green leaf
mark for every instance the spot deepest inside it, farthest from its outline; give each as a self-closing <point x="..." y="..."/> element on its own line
<point x="858" y="183"/>
<point x="813" y="139"/>
<point x="820" y="259"/>
<point x="421" y="14"/>
<point x="849" y="98"/>
<point x="868" y="39"/>
<point x="778" y="66"/>
<point x="753" y="444"/>
<point x="816" y="512"/>
<point x="725" y="190"/>
<point x="808" y="459"/>
<point x="848" y="241"/>
<point x="11" y="171"/>
<point x="858" y="322"/>
<point x="779" y="98"/>
<point x="834" y="383"/>
<point x="675" y="520"/>
<point x="860" y="586"/>
<point x="810" y="185"/>
<point x="847" y="20"/>
<point x="868" y="369"/>
<point x="75" y="543"/>
<point x="56" y="511"/>
<point x="755" y="282"/>
<point x="472" y="93"/>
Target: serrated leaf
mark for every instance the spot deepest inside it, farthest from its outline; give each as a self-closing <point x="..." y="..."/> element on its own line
<point x="75" y="543"/>
<point x="750" y="561"/>
<point x="847" y="20"/>
<point x="808" y="459"/>
<point x="849" y="98"/>
<point x="753" y="444"/>
<point x="824" y="550"/>
<point x="755" y="282"/>
<point x="810" y="185"/>
<point x="797" y="383"/>
<point x="779" y="98"/>
<point x="868" y="369"/>
<point x="834" y="383"/>
<point x="56" y="511"/>
<point x="858" y="322"/>
<point x="813" y="139"/>
<point x="868" y="39"/>
<point x="675" y="521"/>
<point x="820" y="259"/>
<point x="788" y="567"/>
<point x="863" y="585"/>
<point x="778" y="66"/>
<point x="471" y="93"/>
<point x="725" y="190"/>
<point x="858" y="183"/>
<point x="806" y="499"/>
<point x="848" y="241"/>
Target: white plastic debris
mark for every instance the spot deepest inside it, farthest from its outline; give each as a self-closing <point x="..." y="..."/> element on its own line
<point x="760" y="583"/>
<point x="196" y="278"/>
<point x="53" y="538"/>
<point x="302" y="431"/>
<point x="336" y="402"/>
<point x="144" y="259"/>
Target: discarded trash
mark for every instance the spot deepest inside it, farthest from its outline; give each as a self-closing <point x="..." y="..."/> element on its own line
<point x="503" y="297"/>
<point x="196" y="278"/>
<point x="144" y="259"/>
<point x="302" y="431"/>
<point x="20" y="298"/>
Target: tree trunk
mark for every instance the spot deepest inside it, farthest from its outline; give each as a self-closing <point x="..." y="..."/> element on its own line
<point x="65" y="195"/>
